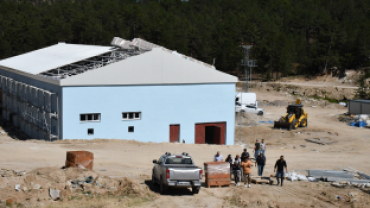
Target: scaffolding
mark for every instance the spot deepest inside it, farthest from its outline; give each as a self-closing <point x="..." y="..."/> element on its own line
<point x="247" y="63"/>
<point x="29" y="109"/>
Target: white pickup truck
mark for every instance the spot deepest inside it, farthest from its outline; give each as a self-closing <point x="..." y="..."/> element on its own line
<point x="176" y="171"/>
<point x="248" y="109"/>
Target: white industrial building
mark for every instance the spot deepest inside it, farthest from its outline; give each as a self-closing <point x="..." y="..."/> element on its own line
<point x="131" y="90"/>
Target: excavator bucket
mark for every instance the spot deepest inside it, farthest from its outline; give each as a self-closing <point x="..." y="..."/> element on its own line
<point x="281" y="124"/>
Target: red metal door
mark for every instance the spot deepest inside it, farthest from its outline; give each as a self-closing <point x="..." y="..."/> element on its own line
<point x="174" y="133"/>
<point x="217" y="135"/>
<point x="200" y="132"/>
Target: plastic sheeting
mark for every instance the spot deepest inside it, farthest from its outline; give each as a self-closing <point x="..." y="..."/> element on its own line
<point x="217" y="168"/>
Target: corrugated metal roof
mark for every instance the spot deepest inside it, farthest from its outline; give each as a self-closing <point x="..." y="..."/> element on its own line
<point x="53" y="57"/>
<point x="158" y="66"/>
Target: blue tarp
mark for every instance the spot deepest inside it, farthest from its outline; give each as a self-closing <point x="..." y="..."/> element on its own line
<point x="269" y="122"/>
<point x="359" y="124"/>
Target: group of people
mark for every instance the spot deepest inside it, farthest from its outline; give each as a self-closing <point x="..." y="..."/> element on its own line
<point x="243" y="164"/>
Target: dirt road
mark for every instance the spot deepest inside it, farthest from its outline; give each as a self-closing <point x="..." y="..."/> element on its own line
<point x="133" y="160"/>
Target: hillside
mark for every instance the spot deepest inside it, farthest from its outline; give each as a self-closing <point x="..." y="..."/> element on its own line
<point x="289" y="36"/>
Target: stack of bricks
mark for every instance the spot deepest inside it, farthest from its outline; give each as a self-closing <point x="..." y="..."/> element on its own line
<point x="217" y="174"/>
<point x="80" y="159"/>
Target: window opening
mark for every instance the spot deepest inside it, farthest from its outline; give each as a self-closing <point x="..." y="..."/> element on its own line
<point x="90" y="131"/>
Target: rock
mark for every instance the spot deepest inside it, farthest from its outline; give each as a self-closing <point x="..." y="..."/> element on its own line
<point x="89" y="179"/>
<point x="20" y="173"/>
<point x="294" y="147"/>
<point x="86" y="187"/>
<point x="304" y="146"/>
<point x="40" y="205"/>
<point x="24" y="188"/>
<point x="55" y="194"/>
<point x="9" y="202"/>
<point x="36" y="186"/>
<point x="17" y="187"/>
<point x="8" y="173"/>
<point x="79" y="180"/>
<point x="68" y="183"/>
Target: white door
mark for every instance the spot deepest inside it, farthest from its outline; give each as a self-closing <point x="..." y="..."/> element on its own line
<point x="250" y="109"/>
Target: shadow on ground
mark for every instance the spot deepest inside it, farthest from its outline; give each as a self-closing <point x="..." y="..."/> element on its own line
<point x="169" y="192"/>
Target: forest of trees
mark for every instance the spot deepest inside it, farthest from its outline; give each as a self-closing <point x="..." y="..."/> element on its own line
<point x="289" y="36"/>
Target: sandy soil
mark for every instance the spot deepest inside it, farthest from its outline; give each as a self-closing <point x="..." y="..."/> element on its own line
<point x="134" y="160"/>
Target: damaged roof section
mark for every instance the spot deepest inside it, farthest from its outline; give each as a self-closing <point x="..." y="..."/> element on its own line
<point x="81" y="65"/>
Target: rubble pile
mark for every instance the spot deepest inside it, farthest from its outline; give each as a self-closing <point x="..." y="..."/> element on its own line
<point x="42" y="186"/>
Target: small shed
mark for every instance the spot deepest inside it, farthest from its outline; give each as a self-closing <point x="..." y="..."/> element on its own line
<point x="359" y="107"/>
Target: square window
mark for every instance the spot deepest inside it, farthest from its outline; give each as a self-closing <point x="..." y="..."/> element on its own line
<point x="130" y="129"/>
<point x="137" y="115"/>
<point x="125" y="115"/>
<point x="90" y="131"/>
<point x="89" y="117"/>
<point x="82" y="117"/>
<point x="96" y="117"/>
<point x="131" y="115"/>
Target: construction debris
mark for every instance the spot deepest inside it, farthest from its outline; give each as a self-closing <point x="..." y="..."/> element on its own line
<point x="321" y="141"/>
<point x="55" y="194"/>
<point x="329" y="173"/>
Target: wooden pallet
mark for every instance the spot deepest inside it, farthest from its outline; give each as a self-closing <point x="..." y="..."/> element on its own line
<point x="260" y="180"/>
<point x="218" y="182"/>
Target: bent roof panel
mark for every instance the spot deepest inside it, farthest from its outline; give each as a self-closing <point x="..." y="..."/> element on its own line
<point x="53" y="57"/>
<point x="154" y="67"/>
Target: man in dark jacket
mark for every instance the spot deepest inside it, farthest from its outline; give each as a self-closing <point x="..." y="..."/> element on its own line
<point x="279" y="165"/>
<point x="245" y="154"/>
<point x="260" y="161"/>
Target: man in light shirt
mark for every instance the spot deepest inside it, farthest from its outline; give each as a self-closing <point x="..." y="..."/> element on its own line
<point x="263" y="147"/>
<point x="218" y="157"/>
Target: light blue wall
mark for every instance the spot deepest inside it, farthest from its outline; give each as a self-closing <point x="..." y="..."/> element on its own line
<point x="161" y="105"/>
<point x="43" y="85"/>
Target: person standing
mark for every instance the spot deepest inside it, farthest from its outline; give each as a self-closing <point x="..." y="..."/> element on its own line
<point x="218" y="157"/>
<point x="236" y="168"/>
<point x="247" y="165"/>
<point x="260" y="161"/>
<point x="245" y="154"/>
<point x="257" y="148"/>
<point x="279" y="165"/>
<point x="263" y="147"/>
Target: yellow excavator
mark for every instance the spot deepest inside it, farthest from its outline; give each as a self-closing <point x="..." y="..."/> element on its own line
<point x="294" y="118"/>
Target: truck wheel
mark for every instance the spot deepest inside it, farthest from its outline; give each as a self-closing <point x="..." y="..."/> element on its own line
<point x="195" y="190"/>
<point x="290" y="127"/>
<point x="153" y="181"/>
<point x="162" y="188"/>
<point x="295" y="124"/>
<point x="303" y="123"/>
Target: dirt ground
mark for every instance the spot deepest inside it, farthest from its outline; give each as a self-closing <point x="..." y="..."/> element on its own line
<point x="133" y="160"/>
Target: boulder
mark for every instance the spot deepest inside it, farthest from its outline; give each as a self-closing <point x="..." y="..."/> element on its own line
<point x="55" y="194"/>
<point x="9" y="202"/>
<point x="36" y="186"/>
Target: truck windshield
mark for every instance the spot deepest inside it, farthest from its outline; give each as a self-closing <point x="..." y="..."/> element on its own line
<point x="177" y="160"/>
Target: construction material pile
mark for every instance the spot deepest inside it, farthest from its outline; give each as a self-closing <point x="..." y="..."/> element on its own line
<point x="43" y="186"/>
<point x="361" y="120"/>
<point x="338" y="178"/>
